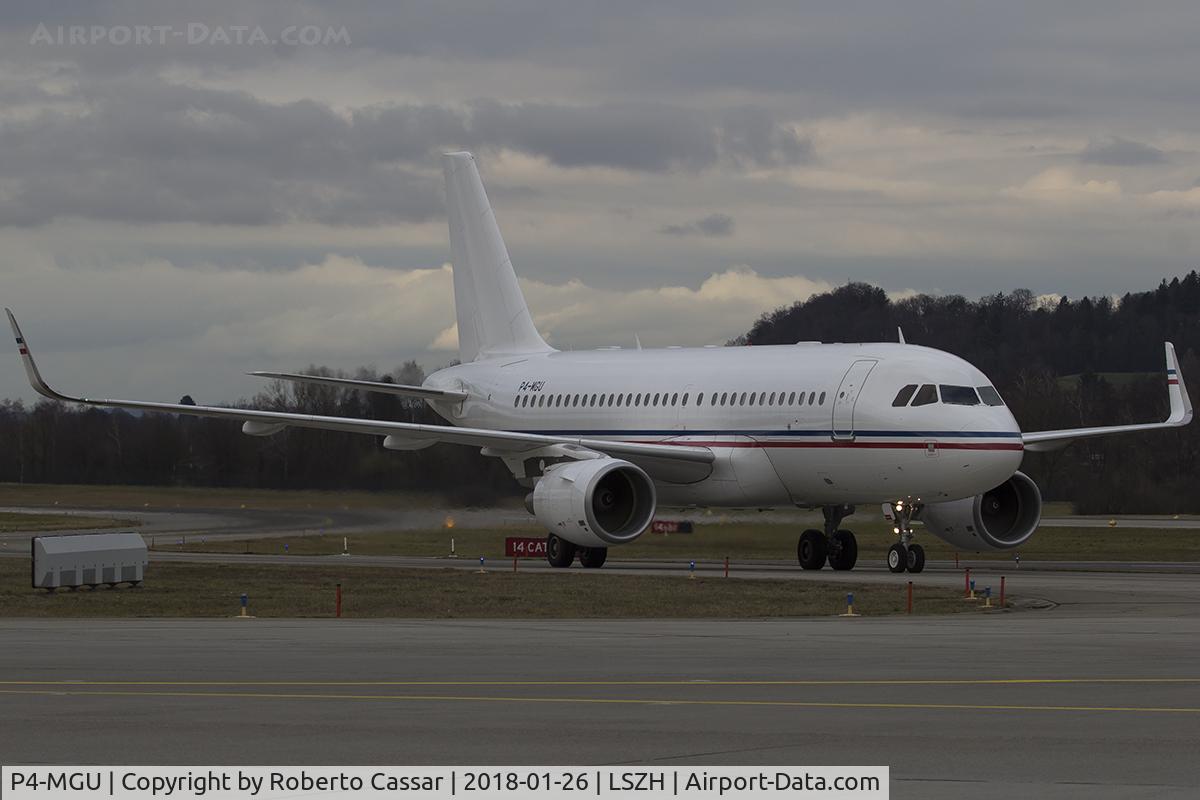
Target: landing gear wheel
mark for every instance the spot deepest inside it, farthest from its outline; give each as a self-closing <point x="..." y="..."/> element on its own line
<point x="593" y="557"/>
<point x="843" y="550"/>
<point x="559" y="552"/>
<point x="916" y="558"/>
<point x="897" y="557"/>
<point x="812" y="549"/>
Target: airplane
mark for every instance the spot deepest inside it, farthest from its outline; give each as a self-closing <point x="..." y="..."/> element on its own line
<point x="605" y="438"/>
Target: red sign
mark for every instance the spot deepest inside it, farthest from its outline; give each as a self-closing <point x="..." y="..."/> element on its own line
<point x="521" y="547"/>
<point x="670" y="526"/>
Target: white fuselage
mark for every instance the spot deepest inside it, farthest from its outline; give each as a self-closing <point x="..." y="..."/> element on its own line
<point x="806" y="424"/>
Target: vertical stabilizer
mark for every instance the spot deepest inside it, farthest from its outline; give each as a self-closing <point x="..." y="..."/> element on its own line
<point x="493" y="319"/>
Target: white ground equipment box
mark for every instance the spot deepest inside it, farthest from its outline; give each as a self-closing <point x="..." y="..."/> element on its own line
<point x="88" y="560"/>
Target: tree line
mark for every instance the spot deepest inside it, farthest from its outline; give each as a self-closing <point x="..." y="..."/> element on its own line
<point x="1058" y="363"/>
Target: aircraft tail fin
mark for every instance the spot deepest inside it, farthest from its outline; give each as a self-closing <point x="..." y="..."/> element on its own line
<point x="493" y="319"/>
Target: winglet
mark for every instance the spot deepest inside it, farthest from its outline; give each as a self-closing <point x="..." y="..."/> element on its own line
<point x="35" y="377"/>
<point x="900" y="334"/>
<point x="1181" y="404"/>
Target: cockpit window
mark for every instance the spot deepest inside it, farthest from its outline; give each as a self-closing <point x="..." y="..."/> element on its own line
<point x="904" y="395"/>
<point x="926" y="395"/>
<point x="959" y="395"/>
<point x="990" y="396"/>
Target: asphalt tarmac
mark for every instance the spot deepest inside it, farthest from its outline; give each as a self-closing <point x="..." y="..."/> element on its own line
<point x="1030" y="704"/>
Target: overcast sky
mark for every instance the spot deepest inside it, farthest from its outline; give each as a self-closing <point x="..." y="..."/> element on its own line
<point x="186" y="195"/>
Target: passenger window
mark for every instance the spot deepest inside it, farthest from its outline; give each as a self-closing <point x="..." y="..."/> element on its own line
<point x="762" y="399"/>
<point x="685" y="398"/>
<point x="753" y="396"/>
<point x="742" y="402"/>
<point x="904" y="395"/>
<point x="524" y="401"/>
<point x="516" y="401"/>
<point x="656" y="399"/>
<point x="771" y="401"/>
<point x="990" y="396"/>
<point x="724" y="397"/>
<point x="821" y="399"/>
<point x="541" y="400"/>
<point x="675" y="399"/>
<point x="959" y="395"/>
<point x="791" y="399"/>
<point x="699" y="399"/>
<point x="812" y="398"/>
<point x="926" y="395"/>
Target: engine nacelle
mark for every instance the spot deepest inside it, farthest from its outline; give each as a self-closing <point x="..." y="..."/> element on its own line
<point x="595" y="502"/>
<point x="999" y="519"/>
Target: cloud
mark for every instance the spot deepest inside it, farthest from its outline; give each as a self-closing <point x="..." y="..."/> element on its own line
<point x="575" y="315"/>
<point x="712" y="225"/>
<point x="1058" y="184"/>
<point x="156" y="330"/>
<point x="168" y="153"/>
<point x="1118" y="152"/>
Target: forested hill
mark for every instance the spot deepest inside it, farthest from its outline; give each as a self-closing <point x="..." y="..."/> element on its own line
<point x="1005" y="334"/>
<point x="1058" y="363"/>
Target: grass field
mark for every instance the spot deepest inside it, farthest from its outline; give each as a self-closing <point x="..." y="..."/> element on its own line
<point x="18" y="494"/>
<point x="738" y="542"/>
<point x="10" y="521"/>
<point x="213" y="590"/>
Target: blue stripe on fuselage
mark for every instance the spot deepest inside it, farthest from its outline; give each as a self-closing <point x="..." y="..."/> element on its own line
<point x="823" y="432"/>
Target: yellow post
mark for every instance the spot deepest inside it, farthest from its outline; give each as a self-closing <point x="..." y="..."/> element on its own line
<point x="849" y="606"/>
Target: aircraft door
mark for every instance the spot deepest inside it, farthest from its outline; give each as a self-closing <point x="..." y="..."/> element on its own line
<point x="846" y="397"/>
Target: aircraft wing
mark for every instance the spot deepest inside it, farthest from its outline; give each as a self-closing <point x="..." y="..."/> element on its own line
<point x="676" y="460"/>
<point x="1181" y="414"/>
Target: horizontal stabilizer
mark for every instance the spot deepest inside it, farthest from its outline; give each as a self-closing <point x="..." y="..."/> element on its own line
<point x="423" y="392"/>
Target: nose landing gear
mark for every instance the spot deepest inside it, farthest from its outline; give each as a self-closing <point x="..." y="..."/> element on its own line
<point x="904" y="554"/>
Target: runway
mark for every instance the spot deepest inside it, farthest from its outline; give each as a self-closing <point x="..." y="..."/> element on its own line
<point x="1029" y="704"/>
<point x="168" y="525"/>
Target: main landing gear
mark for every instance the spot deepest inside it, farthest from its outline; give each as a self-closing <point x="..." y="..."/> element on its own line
<point x="904" y="554"/>
<point x="561" y="553"/>
<point x="835" y="545"/>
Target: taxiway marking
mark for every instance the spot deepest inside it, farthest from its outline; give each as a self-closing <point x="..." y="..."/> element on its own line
<point x="608" y="701"/>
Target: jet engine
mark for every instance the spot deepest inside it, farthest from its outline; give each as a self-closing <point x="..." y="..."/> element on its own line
<point x="999" y="519"/>
<point x="594" y="502"/>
